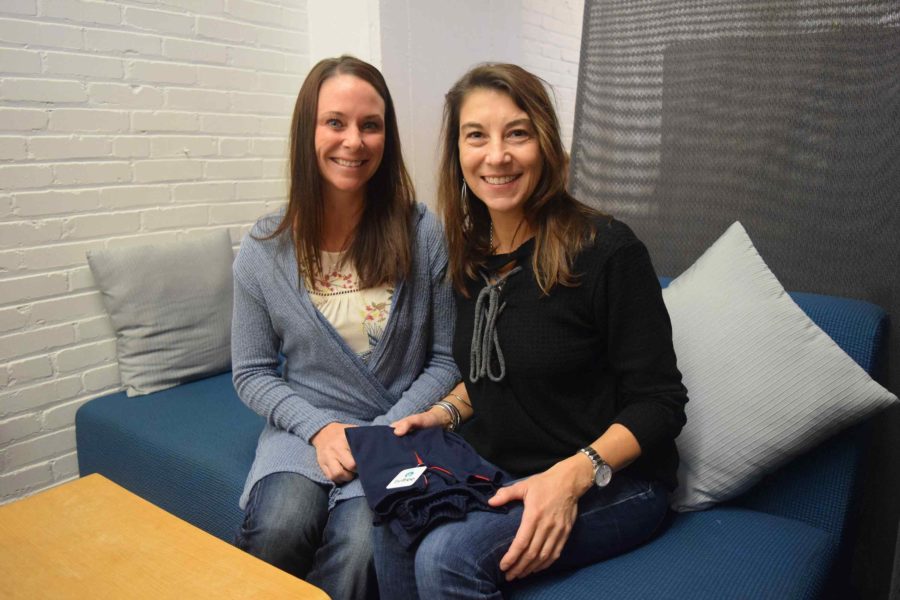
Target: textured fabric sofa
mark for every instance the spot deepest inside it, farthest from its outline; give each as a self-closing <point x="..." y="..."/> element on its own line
<point x="188" y="450"/>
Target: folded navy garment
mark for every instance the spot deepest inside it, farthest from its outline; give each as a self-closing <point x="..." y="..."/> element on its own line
<point x="421" y="479"/>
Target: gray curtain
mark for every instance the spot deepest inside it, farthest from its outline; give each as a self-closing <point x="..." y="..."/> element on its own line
<point x="784" y="115"/>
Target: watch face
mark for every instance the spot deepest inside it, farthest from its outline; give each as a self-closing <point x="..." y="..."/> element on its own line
<point x="603" y="475"/>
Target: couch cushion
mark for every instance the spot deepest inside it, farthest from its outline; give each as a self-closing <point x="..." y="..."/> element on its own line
<point x="187" y="449"/>
<point x="765" y="383"/>
<point x="858" y="327"/>
<point x="170" y="305"/>
<point x="710" y="555"/>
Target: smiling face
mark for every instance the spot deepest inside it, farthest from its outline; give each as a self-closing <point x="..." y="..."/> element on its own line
<point x="349" y="135"/>
<point x="498" y="152"/>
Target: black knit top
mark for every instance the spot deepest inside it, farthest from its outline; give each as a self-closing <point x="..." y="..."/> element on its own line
<point x="577" y="361"/>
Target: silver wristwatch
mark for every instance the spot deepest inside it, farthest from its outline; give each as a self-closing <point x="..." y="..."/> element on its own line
<point x="602" y="471"/>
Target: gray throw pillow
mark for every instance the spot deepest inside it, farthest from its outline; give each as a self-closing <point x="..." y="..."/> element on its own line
<point x="170" y="306"/>
<point x="765" y="383"/>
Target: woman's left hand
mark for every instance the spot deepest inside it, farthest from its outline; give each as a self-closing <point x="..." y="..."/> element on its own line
<point x="434" y="417"/>
<point x="551" y="505"/>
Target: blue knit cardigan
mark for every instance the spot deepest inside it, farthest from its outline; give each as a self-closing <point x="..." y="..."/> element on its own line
<point x="322" y="379"/>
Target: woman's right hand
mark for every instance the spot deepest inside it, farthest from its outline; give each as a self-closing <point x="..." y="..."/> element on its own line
<point x="333" y="453"/>
<point x="433" y="417"/>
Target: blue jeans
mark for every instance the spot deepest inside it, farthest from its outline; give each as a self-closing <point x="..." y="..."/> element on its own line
<point x="287" y="524"/>
<point x="461" y="559"/>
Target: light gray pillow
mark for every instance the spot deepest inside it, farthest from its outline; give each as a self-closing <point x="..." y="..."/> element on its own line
<point x="765" y="383"/>
<point x="170" y="306"/>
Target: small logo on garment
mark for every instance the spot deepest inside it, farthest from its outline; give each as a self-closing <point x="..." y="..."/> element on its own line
<point x="406" y="477"/>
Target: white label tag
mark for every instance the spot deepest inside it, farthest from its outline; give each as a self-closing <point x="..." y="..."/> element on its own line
<point x="406" y="477"/>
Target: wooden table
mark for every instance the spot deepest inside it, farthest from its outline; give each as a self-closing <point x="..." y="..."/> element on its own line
<point x="93" y="539"/>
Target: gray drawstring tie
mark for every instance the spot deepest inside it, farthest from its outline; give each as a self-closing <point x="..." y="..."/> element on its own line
<point x="484" y="338"/>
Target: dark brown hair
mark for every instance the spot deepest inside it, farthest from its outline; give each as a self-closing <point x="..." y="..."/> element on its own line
<point x="562" y="224"/>
<point x="381" y="249"/>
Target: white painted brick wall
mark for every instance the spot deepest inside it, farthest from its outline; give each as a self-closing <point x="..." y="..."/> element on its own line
<point x="551" y="45"/>
<point x="130" y="122"/>
<point x="121" y="123"/>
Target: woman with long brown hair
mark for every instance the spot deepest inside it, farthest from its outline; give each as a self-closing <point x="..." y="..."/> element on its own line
<point x="340" y="320"/>
<point x="565" y="348"/>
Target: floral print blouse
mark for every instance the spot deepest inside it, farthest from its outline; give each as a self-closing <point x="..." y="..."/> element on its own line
<point x="359" y="316"/>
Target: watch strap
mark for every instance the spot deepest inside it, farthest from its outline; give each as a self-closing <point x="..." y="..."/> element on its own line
<point x="599" y="465"/>
<point x="592" y="454"/>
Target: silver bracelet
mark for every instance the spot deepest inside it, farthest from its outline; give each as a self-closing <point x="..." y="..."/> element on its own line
<point x="461" y="399"/>
<point x="455" y="417"/>
<point x="444" y="405"/>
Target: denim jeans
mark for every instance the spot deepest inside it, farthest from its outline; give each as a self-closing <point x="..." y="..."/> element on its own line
<point x="461" y="559"/>
<point x="287" y="524"/>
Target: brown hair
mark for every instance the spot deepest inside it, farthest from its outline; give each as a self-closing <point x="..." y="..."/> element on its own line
<point x="562" y="224"/>
<point x="381" y="247"/>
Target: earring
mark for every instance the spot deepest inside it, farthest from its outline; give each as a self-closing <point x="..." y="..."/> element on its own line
<point x="463" y="191"/>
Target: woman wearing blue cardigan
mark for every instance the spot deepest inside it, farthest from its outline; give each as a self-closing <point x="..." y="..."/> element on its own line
<point x="342" y="317"/>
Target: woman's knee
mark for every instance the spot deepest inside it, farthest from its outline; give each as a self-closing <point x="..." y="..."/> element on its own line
<point x="453" y="557"/>
<point x="285" y="515"/>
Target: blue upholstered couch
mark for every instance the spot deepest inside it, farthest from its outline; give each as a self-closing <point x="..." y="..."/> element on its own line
<point x="188" y="450"/>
